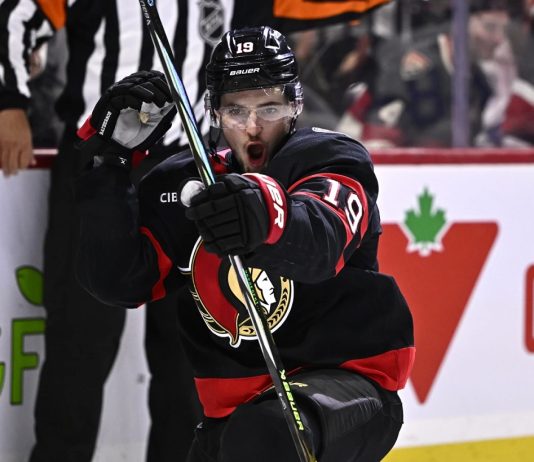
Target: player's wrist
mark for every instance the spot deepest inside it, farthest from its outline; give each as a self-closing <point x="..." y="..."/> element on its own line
<point x="276" y="203"/>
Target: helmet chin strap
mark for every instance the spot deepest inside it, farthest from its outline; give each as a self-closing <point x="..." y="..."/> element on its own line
<point x="292" y="125"/>
<point x="214" y="142"/>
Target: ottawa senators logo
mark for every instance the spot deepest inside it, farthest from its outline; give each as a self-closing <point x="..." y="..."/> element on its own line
<point x="221" y="303"/>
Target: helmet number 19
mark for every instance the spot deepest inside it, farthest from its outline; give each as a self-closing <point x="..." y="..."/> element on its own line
<point x="245" y="47"/>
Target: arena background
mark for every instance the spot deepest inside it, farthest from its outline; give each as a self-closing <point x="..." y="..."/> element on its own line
<point x="471" y="291"/>
<point x="458" y="229"/>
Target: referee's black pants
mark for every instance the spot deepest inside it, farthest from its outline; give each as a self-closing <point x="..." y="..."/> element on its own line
<point x="348" y="418"/>
<point x="81" y="343"/>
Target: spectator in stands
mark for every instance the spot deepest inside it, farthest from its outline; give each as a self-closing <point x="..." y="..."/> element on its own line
<point x="409" y="103"/>
<point x="518" y="127"/>
<point x="340" y="55"/>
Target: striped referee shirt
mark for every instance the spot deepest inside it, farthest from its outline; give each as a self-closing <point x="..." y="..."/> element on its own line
<point x="108" y="40"/>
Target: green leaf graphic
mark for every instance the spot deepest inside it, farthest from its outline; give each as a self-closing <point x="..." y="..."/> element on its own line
<point x="425" y="224"/>
<point x="30" y="282"/>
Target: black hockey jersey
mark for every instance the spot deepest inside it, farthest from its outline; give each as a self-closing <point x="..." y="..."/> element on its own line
<point x="326" y="304"/>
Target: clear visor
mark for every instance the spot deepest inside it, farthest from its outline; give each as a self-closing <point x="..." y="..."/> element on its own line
<point x="269" y="112"/>
<point x="237" y="116"/>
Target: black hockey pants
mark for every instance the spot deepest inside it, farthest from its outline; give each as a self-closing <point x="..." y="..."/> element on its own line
<point x="350" y="419"/>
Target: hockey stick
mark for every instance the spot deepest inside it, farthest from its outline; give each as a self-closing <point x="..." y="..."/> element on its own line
<point x="200" y="155"/>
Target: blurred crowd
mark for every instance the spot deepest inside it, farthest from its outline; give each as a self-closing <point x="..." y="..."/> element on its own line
<point x="389" y="82"/>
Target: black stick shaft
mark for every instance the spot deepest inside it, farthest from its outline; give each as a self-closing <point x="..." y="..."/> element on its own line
<point x="200" y="155"/>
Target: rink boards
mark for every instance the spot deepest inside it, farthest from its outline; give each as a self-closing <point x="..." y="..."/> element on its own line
<point x="458" y="238"/>
<point x="470" y="396"/>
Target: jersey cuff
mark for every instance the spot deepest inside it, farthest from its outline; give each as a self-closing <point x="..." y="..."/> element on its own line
<point x="12" y="100"/>
<point x="276" y="202"/>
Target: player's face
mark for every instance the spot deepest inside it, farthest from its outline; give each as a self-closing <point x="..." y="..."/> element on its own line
<point x="254" y="123"/>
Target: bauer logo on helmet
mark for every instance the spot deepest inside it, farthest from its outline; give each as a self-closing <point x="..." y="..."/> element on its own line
<point x="252" y="70"/>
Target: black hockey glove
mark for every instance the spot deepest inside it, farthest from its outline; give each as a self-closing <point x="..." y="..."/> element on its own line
<point x="237" y="213"/>
<point x="130" y="116"/>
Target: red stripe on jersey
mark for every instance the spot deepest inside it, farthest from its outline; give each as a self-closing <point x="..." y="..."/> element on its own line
<point x="390" y="370"/>
<point x="350" y="183"/>
<point x="221" y="396"/>
<point x="348" y="233"/>
<point x="86" y="130"/>
<point x="164" y="265"/>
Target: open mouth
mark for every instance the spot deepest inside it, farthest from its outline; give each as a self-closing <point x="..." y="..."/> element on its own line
<point x="256" y="152"/>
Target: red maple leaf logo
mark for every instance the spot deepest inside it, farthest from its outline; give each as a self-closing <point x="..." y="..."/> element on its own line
<point x="437" y="269"/>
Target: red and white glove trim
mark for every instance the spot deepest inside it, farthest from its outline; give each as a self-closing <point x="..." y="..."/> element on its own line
<point x="87" y="131"/>
<point x="276" y="202"/>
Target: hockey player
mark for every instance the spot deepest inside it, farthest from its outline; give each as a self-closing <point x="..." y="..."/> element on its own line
<point x="299" y="207"/>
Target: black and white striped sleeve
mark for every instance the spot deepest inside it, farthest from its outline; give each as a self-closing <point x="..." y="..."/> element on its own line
<point x="23" y="28"/>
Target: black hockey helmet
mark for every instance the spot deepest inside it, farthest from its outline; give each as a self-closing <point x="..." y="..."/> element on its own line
<point x="252" y="58"/>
